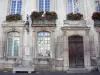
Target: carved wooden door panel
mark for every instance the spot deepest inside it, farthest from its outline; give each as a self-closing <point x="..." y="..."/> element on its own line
<point x="76" y="54"/>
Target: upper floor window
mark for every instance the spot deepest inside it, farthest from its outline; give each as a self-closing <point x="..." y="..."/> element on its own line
<point x="97" y="5"/>
<point x="16" y="6"/>
<point x="44" y="5"/>
<point x="73" y="6"/>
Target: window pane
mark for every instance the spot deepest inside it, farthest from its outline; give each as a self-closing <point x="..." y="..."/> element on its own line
<point x="16" y="47"/>
<point x="44" y="5"/>
<point x="69" y="6"/>
<point x="73" y="6"/>
<point x="9" y="52"/>
<point x="97" y="4"/>
<point x="10" y="44"/>
<point x="16" y="6"/>
<point x="41" y="2"/>
<point x="43" y="49"/>
<point x="13" y="7"/>
<point x="19" y="6"/>
<point x="76" y="6"/>
<point x="16" y="53"/>
<point x="47" y="5"/>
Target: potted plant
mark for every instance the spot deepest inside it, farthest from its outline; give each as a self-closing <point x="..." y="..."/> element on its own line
<point x="13" y="17"/>
<point x="76" y="16"/>
<point x="51" y="16"/>
<point x="96" y="18"/>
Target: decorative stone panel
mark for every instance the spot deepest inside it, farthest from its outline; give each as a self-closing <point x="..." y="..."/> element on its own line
<point x="41" y="23"/>
<point x="75" y="23"/>
<point x="13" y="23"/>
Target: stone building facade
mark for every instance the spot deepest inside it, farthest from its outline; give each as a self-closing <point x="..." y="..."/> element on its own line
<point x="60" y="45"/>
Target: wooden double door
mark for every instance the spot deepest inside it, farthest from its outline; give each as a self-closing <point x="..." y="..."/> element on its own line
<point x="76" y="52"/>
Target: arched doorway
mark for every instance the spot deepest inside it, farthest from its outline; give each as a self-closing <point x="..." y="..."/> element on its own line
<point x="76" y="54"/>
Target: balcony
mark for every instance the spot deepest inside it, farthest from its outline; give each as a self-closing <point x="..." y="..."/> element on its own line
<point x="14" y="20"/>
<point x="74" y="20"/>
<point x="41" y="19"/>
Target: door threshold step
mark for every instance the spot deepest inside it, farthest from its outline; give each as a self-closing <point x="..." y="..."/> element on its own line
<point x="23" y="69"/>
<point x="77" y="70"/>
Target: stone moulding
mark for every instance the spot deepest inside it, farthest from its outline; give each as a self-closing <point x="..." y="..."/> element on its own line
<point x="47" y="23"/>
<point x="76" y="22"/>
<point x="13" y="23"/>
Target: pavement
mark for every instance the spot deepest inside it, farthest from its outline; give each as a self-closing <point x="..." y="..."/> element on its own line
<point x="50" y="73"/>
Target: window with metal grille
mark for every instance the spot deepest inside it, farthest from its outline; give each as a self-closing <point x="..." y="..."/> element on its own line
<point x="44" y="44"/>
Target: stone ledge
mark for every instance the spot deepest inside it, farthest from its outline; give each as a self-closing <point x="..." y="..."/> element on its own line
<point x="75" y="23"/>
<point x="42" y="23"/>
<point x="13" y="23"/>
<point x="28" y="69"/>
<point x="75" y="28"/>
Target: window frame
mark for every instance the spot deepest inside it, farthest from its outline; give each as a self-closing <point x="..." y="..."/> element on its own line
<point x="16" y="11"/>
<point x="96" y="6"/>
<point x="13" y="56"/>
<point x="43" y="7"/>
<point x="73" y="9"/>
<point x="49" y="43"/>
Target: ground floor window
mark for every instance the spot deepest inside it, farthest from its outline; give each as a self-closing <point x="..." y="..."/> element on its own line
<point x="13" y="44"/>
<point x="44" y="44"/>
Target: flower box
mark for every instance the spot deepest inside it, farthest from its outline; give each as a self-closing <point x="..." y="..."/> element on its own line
<point x="76" y="16"/>
<point x="13" y="17"/>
